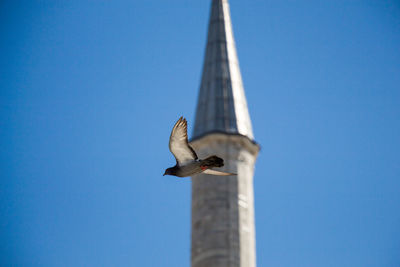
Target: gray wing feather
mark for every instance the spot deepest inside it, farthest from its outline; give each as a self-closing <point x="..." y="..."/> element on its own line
<point x="214" y="172"/>
<point x="178" y="143"/>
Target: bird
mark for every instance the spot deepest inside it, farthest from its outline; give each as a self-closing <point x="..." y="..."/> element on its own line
<point x="187" y="162"/>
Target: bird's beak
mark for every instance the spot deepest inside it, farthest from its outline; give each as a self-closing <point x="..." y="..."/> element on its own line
<point x="163" y="174"/>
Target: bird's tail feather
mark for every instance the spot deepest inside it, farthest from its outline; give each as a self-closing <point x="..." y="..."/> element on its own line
<point x="213" y="161"/>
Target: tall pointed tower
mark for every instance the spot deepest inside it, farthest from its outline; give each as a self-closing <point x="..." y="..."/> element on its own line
<point x="223" y="232"/>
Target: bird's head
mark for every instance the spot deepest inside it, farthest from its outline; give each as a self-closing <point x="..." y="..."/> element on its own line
<point x="168" y="171"/>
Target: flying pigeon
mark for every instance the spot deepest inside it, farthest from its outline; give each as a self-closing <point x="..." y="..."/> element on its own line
<point x="187" y="162"/>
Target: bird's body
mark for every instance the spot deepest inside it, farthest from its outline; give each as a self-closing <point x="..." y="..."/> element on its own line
<point x="187" y="162"/>
<point x="196" y="167"/>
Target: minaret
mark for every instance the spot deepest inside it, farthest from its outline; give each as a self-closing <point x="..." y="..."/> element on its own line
<point x="223" y="231"/>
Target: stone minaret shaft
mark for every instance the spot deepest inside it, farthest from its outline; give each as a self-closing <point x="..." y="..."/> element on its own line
<point x="223" y="232"/>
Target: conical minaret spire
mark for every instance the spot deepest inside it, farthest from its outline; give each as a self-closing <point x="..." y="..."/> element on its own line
<point x="223" y="230"/>
<point x="221" y="105"/>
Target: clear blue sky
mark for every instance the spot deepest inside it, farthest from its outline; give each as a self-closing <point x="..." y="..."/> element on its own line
<point x="91" y="89"/>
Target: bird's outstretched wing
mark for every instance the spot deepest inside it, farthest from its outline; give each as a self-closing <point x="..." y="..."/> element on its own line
<point x="214" y="172"/>
<point x="178" y="143"/>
